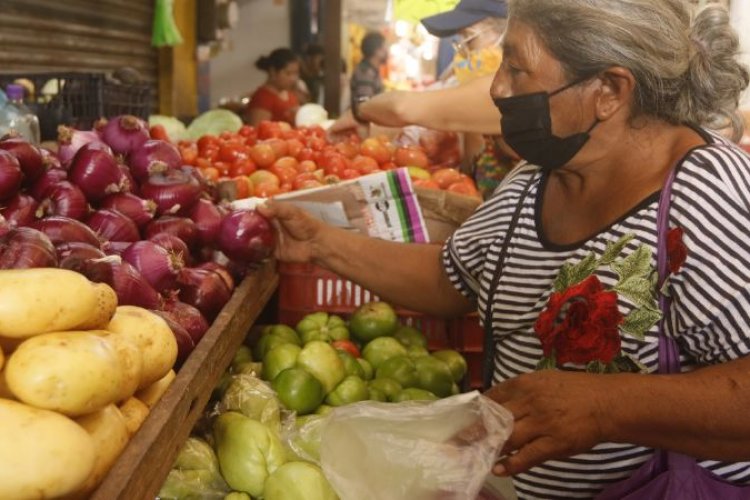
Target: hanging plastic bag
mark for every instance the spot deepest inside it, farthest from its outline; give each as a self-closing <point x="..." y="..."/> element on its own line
<point x="417" y="450"/>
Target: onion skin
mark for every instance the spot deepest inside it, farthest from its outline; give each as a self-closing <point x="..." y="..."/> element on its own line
<point x="11" y="175"/>
<point x="71" y="255"/>
<point x="71" y="140"/>
<point x="47" y="182"/>
<point x="124" y="133"/>
<point x="203" y="289"/>
<point x="20" y="210"/>
<point x="115" y="247"/>
<point x="131" y="288"/>
<point x="182" y="227"/>
<point x="172" y="244"/>
<point x="26" y="248"/>
<point x="114" y="226"/>
<point x="189" y="317"/>
<point x="246" y="236"/>
<point x="207" y="218"/>
<point x="97" y="173"/>
<point x="61" y="230"/>
<point x="50" y="159"/>
<point x="221" y="270"/>
<point x="158" y="266"/>
<point x="153" y="157"/>
<point x="174" y="192"/>
<point x="137" y="209"/>
<point x="28" y="156"/>
<point x="185" y="343"/>
<point x="66" y="200"/>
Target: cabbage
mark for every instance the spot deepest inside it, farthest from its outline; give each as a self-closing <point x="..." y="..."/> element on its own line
<point x="214" y="122"/>
<point x="310" y="114"/>
<point x="298" y="481"/>
<point x="175" y="128"/>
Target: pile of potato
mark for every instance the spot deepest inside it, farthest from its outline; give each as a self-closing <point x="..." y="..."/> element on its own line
<point x="78" y="376"/>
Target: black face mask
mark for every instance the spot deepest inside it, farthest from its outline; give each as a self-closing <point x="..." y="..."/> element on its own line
<point x="527" y="128"/>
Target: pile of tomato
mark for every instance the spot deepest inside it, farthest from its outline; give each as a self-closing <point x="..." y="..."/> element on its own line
<point x="275" y="158"/>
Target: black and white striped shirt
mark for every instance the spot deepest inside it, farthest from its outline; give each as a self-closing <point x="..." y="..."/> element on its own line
<point x="710" y="312"/>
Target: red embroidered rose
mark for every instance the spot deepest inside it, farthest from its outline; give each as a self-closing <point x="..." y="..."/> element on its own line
<point x="581" y="324"/>
<point x="676" y="250"/>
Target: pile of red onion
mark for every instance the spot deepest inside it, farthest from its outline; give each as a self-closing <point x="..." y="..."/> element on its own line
<point x="121" y="209"/>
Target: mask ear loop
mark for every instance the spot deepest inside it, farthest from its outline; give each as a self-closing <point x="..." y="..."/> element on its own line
<point x="571" y="84"/>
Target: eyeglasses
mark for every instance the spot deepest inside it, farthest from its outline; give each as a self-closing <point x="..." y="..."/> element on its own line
<point x="461" y="46"/>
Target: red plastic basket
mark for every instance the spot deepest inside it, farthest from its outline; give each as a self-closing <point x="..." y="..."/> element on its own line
<point x="305" y="288"/>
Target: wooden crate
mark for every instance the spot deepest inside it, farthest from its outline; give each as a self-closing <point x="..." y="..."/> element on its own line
<point x="141" y="469"/>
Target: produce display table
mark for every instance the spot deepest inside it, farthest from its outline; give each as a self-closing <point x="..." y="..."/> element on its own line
<point x="142" y="467"/>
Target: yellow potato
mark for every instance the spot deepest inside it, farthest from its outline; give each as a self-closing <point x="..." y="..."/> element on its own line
<point x="2" y="358"/>
<point x="153" y="337"/>
<point x="153" y="393"/>
<point x="135" y="412"/>
<point x="35" y="301"/>
<point x="74" y="373"/>
<point x="109" y="433"/>
<point x="42" y="453"/>
<point x="131" y="361"/>
<point x="4" y="389"/>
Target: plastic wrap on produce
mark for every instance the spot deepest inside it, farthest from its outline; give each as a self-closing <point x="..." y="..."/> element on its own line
<point x="427" y="449"/>
<point x="253" y="398"/>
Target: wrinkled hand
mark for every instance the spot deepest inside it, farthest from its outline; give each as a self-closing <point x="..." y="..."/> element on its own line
<point x="296" y="230"/>
<point x="557" y="415"/>
<point x="344" y="125"/>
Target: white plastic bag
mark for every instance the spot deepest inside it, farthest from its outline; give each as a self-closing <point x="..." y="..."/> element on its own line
<point x="416" y="450"/>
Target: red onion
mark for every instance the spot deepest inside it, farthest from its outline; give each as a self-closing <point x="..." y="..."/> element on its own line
<point x="64" y="230"/>
<point x="10" y="175"/>
<point x="114" y="226"/>
<point x="125" y="133"/>
<point x="72" y="254"/>
<point x="182" y="227"/>
<point x="153" y="157"/>
<point x="115" y="247"/>
<point x="71" y="140"/>
<point x="157" y="265"/>
<point x="24" y="248"/>
<point x="66" y="200"/>
<point x="137" y="209"/>
<point x="50" y="159"/>
<point x="97" y="173"/>
<point x="127" y="181"/>
<point x="237" y="270"/>
<point x="47" y="182"/>
<point x="185" y="343"/>
<point x="208" y="188"/>
<point x="207" y="218"/>
<point x="221" y="270"/>
<point x="174" y="192"/>
<point x="246" y="236"/>
<point x="4" y="226"/>
<point x="20" y="210"/>
<point x="204" y="290"/>
<point x="189" y="317"/>
<point x="28" y="156"/>
<point x="173" y="244"/>
<point x="131" y="288"/>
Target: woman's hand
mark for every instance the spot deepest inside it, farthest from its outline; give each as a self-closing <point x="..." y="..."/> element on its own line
<point x="298" y="233"/>
<point x="557" y="415"/>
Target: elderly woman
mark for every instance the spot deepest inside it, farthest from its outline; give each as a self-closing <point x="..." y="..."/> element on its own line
<point x="603" y="102"/>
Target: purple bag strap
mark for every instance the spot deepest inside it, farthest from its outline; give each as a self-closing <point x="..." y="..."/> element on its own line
<point x="669" y="354"/>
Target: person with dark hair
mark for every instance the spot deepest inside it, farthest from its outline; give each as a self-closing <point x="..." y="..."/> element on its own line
<point x="366" y="82"/>
<point x="311" y="71"/>
<point x="276" y="99"/>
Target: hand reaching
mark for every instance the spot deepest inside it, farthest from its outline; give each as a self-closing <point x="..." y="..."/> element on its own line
<point x="297" y="231"/>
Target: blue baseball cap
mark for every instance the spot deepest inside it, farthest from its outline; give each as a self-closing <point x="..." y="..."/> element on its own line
<point x="466" y="13"/>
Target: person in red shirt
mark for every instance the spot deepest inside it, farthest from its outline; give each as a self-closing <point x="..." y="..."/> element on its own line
<point x="276" y="99"/>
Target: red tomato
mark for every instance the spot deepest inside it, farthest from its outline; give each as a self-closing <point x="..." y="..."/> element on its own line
<point x="264" y="177"/>
<point x="306" y="166"/>
<point x="285" y="173"/>
<point x="242" y="167"/>
<point x="317" y="131"/>
<point x="411" y="157"/>
<point x="285" y="188"/>
<point x="262" y="155"/>
<point x="188" y="152"/>
<point x="304" y="179"/>
<point x="350" y="173"/>
<point x="294" y="147"/>
<point x="202" y="163"/>
<point x="247" y="131"/>
<point x="364" y="164"/>
<point x="244" y="186"/>
<point x="446" y="176"/>
<point x="463" y="188"/>
<point x="389" y="165"/>
<point x="279" y="147"/>
<point x="159" y="133"/>
<point x="375" y="149"/>
<point x="222" y="167"/>
<point x="348" y="149"/>
<point x="208" y="140"/>
<point x="210" y="173"/>
<point x="348" y="346"/>
<point x="286" y="161"/>
<point x="266" y="189"/>
<point x="268" y="130"/>
<point x="425" y="183"/>
<point x="230" y="153"/>
<point x="332" y="163"/>
<point x="305" y="154"/>
<point x="316" y="143"/>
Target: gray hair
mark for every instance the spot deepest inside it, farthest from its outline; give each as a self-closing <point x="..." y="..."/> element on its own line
<point x="686" y="72"/>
